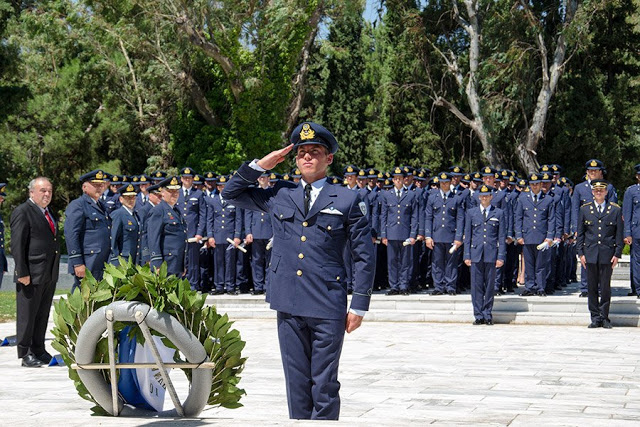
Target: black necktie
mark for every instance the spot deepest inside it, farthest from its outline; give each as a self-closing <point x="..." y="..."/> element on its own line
<point x="399" y="193"/>
<point x="186" y="193"/>
<point x="485" y="213"/>
<point x="307" y="198"/>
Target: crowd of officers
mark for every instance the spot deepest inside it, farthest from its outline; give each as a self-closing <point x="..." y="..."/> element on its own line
<point x="419" y="222"/>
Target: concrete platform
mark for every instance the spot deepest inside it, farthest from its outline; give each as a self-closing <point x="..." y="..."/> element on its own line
<point x="397" y="374"/>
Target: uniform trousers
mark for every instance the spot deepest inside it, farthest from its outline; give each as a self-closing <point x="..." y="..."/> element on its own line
<point x="483" y="277"/>
<point x="381" y="280"/>
<point x="193" y="264"/>
<point x="225" y="271"/>
<point x="511" y="267"/>
<point x="635" y="268"/>
<point x="444" y="267"/>
<point x="33" y="304"/>
<point x="399" y="262"/>
<point x="535" y="267"/>
<point x="259" y="261"/>
<point x="599" y="279"/>
<point x="310" y="350"/>
<point x="206" y="269"/>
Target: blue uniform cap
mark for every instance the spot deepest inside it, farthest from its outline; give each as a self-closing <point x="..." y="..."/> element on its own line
<point x="637" y="168"/>
<point x="488" y="171"/>
<point x="158" y="176"/>
<point x="484" y="190"/>
<point x="308" y="133"/>
<point x="522" y="183"/>
<point x="466" y="178"/>
<point x="187" y="172"/>
<point x="95" y="176"/>
<point x="296" y="173"/>
<point x="535" y="178"/>
<point x="444" y="177"/>
<point x="170" y="183"/>
<point x="210" y="176"/>
<point x="222" y="180"/>
<point x="274" y="177"/>
<point x="128" y="190"/>
<point x="594" y="164"/>
<point x="2" y="186"/>
<point x="477" y="177"/>
<point x="155" y="188"/>
<point x="421" y="175"/>
<point x="408" y="170"/>
<point x="456" y="170"/>
<point x="197" y="179"/>
<point x="350" y="170"/>
<point x="544" y="168"/>
<point x="546" y="177"/>
<point x="372" y="173"/>
<point x="398" y="171"/>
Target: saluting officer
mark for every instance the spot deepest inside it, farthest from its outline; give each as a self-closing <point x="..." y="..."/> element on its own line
<point x="166" y="229"/>
<point x="3" y="258"/>
<point x="126" y="228"/>
<point x="599" y="245"/>
<point x="444" y="227"/>
<point x="399" y="230"/>
<point x="582" y="194"/>
<point x="312" y="222"/>
<point x="87" y="229"/>
<point x="485" y="233"/>
<point x="535" y="225"/>
<point x="194" y="213"/>
<point x="631" y="216"/>
<point x="258" y="228"/>
<point x="222" y="224"/>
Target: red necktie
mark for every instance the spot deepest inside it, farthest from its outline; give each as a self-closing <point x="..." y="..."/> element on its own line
<point x="50" y="221"/>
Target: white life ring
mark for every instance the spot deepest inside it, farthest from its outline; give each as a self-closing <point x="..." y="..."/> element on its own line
<point x="124" y="311"/>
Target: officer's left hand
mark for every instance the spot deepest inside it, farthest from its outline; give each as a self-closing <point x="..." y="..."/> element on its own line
<point x="249" y="239"/>
<point x="420" y="238"/>
<point x="353" y="322"/>
<point x="236" y="241"/>
<point x="412" y="241"/>
<point x="499" y="263"/>
<point x="628" y="240"/>
<point x="198" y="238"/>
<point x="614" y="262"/>
<point x="583" y="261"/>
<point x="458" y="243"/>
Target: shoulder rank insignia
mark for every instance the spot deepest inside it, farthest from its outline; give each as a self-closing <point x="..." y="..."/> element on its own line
<point x="614" y="204"/>
<point x="587" y="204"/>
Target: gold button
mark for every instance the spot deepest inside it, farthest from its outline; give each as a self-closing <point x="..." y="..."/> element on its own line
<point x="299" y="272"/>
<point x="300" y="256"/>
<point x="281" y="215"/>
<point x="338" y="278"/>
<point x="304" y="224"/>
<point x="329" y="227"/>
<point x="91" y="251"/>
<point x="303" y="238"/>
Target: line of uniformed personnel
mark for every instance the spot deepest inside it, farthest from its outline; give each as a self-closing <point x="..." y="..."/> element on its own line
<point x="417" y="219"/>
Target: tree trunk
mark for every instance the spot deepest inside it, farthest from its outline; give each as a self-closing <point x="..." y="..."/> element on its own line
<point x="299" y="80"/>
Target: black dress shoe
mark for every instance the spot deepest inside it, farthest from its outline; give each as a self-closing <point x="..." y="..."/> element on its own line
<point x="631" y="294"/>
<point x="233" y="292"/>
<point x="479" y="322"/>
<point x="595" y="324"/>
<point x="452" y="293"/>
<point x="498" y="294"/>
<point x="405" y="292"/>
<point x="606" y="323"/>
<point x="488" y="322"/>
<point x="437" y="293"/>
<point x="583" y="294"/>
<point x="393" y="292"/>
<point x="31" y="361"/>
<point x="526" y="293"/>
<point x="45" y="358"/>
<point x="542" y="294"/>
<point x="217" y="292"/>
<point x="254" y="292"/>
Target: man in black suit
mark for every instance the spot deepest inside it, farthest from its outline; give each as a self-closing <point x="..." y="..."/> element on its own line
<point x="599" y="245"/>
<point x="36" y="252"/>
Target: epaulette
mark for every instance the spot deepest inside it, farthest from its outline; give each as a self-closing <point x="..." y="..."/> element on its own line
<point x="614" y="204"/>
<point x="586" y="204"/>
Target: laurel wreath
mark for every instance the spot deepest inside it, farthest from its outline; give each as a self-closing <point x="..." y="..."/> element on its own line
<point x="168" y="294"/>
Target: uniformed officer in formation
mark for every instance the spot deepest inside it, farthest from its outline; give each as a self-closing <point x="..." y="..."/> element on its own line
<point x="167" y="229"/>
<point x="126" y="227"/>
<point x="484" y="251"/>
<point x="154" y="197"/>
<point x="582" y="194"/>
<point x="599" y="244"/>
<point x="535" y="230"/>
<point x="399" y="230"/>
<point x="444" y="228"/>
<point x="194" y="213"/>
<point x="259" y="233"/>
<point x="3" y="258"/>
<point x="87" y="229"/>
<point x="222" y="224"/>
<point x="631" y="216"/>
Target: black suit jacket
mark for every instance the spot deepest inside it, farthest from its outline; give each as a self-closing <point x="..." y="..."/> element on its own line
<point x="600" y="235"/>
<point x="35" y="249"/>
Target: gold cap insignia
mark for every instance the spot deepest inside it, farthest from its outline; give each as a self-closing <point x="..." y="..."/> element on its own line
<point x="130" y="188"/>
<point x="380" y="175"/>
<point x="307" y="132"/>
<point x="158" y="174"/>
<point x="143" y="179"/>
<point x="187" y="170"/>
<point x="545" y="176"/>
<point x="545" y="168"/>
<point x="456" y="169"/>
<point x="223" y="179"/>
<point x="100" y="175"/>
<point x="398" y="171"/>
<point x="372" y="171"/>
<point x="505" y="172"/>
<point x="361" y="173"/>
<point x="443" y="176"/>
<point x="286" y="177"/>
<point x="209" y="175"/>
<point x="272" y="176"/>
<point x="484" y="189"/>
<point x="487" y="170"/>
<point x="174" y="181"/>
<point x="297" y="172"/>
<point x="436" y="180"/>
<point x="534" y="177"/>
<point x="349" y="169"/>
<point x="135" y="179"/>
<point x="114" y="179"/>
<point x="594" y="163"/>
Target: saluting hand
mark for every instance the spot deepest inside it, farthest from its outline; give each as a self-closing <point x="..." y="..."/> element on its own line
<point x="274" y="158"/>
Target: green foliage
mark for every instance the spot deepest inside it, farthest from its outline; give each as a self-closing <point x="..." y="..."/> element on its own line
<point x="167" y="294"/>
